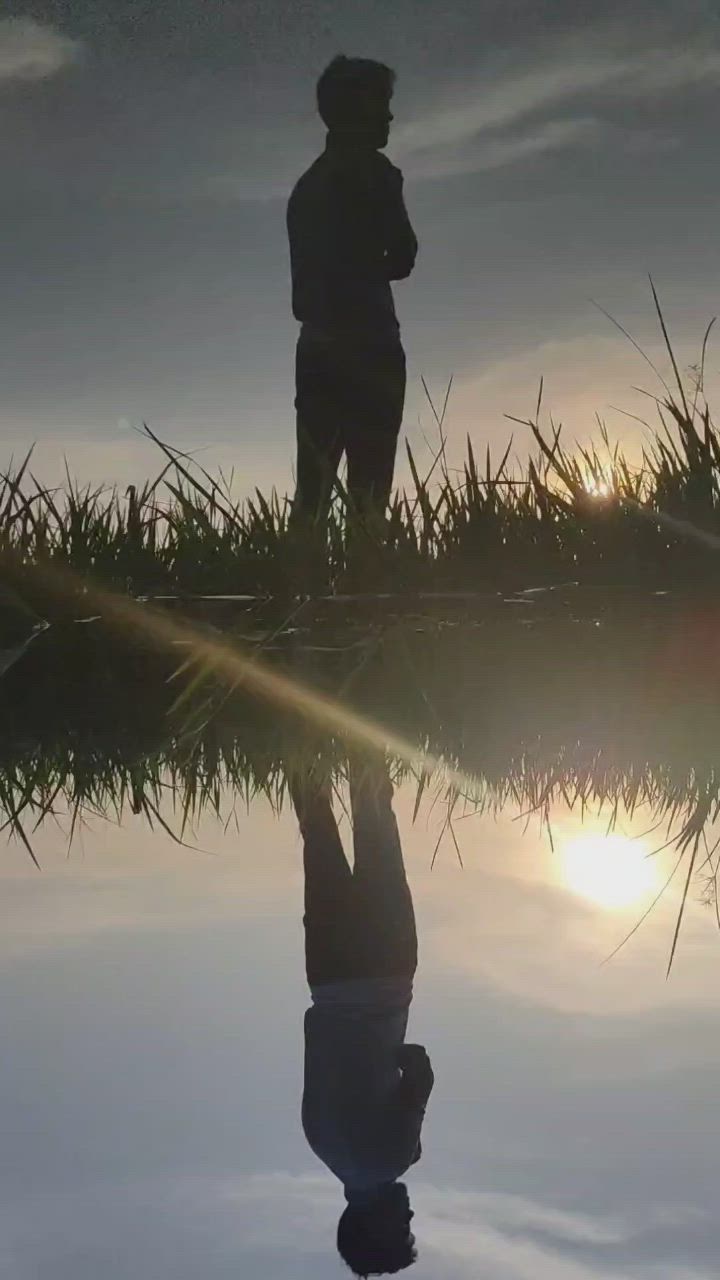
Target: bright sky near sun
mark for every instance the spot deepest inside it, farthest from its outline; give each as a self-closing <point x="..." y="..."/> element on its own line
<point x="610" y="869"/>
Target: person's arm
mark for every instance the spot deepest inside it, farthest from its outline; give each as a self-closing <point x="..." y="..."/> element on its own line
<point x="308" y="255"/>
<point x="401" y="244"/>
<point x="417" y="1076"/>
<point x="403" y="1126"/>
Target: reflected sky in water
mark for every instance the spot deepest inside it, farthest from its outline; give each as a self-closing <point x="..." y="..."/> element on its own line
<point x="151" y="1073"/>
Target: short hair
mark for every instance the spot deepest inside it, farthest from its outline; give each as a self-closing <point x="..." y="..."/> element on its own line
<point x="367" y="1258"/>
<point x="345" y="81"/>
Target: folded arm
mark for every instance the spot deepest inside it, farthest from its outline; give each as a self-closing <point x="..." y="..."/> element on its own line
<point x="408" y="1106"/>
<point x="418" y="1077"/>
<point x="401" y="244"/>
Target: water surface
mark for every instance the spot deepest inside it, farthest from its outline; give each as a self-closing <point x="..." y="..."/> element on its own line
<point x="151" y="1076"/>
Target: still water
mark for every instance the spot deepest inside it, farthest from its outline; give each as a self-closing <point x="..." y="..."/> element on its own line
<point x="151" y="1075"/>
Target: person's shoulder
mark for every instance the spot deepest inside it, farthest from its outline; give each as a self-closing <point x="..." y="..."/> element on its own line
<point x="308" y="180"/>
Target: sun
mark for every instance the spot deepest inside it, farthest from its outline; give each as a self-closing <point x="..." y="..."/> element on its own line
<point x="597" y="488"/>
<point x="611" y="870"/>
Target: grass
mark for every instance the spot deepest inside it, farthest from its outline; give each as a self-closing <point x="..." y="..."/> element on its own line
<point x="587" y="515"/>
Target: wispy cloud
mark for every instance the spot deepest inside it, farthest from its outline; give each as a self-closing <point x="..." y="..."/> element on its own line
<point x="503" y="100"/>
<point x="501" y="103"/>
<point x="485" y="153"/>
<point x="30" y="51"/>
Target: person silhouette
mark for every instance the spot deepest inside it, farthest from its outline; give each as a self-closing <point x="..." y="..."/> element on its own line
<point x="350" y="236"/>
<point x="365" y="1090"/>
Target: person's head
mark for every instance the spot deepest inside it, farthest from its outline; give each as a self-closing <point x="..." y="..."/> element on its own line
<point x="353" y="98"/>
<point x="375" y="1239"/>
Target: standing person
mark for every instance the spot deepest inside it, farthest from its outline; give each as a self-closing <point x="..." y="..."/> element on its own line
<point x="365" y="1090"/>
<point x="350" y="236"/>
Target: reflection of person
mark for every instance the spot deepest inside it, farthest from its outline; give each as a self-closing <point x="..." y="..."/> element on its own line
<point x="350" y="235"/>
<point x="365" y="1089"/>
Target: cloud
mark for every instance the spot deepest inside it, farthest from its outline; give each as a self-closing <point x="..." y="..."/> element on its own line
<point x="512" y="97"/>
<point x="286" y="1221"/>
<point x="504" y="101"/>
<point x="512" y="1232"/>
<point x="494" y="153"/>
<point x="509" y="1237"/>
<point x="517" y="1213"/>
<point x="30" y="51"/>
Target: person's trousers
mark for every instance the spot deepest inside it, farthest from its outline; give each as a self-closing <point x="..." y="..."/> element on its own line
<point x="359" y="923"/>
<point x="349" y="399"/>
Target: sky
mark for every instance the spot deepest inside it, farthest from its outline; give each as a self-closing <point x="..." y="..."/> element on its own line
<point x="554" y="155"/>
<point x="151" y="1071"/>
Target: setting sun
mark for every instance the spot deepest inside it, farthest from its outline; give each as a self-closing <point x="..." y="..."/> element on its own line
<point x="612" y="870"/>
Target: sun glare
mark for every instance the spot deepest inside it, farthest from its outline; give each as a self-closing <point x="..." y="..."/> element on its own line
<point x="611" y="870"/>
<point x="598" y="486"/>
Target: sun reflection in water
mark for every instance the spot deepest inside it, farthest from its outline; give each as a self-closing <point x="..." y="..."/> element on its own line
<point x="612" y="870"/>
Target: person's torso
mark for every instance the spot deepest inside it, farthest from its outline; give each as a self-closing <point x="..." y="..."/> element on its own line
<point x="336" y="228"/>
<point x="351" y="1075"/>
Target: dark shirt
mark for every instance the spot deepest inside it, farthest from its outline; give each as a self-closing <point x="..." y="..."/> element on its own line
<point x="365" y="1090"/>
<point x="350" y="235"/>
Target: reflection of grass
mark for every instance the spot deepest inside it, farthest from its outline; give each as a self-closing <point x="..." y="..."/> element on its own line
<point x="600" y="710"/>
<point x="587" y="515"/>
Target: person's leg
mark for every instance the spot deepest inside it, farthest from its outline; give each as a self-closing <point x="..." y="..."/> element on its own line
<point x="374" y="428"/>
<point x="319" y="431"/>
<point x="384" y="901"/>
<point x="329" y="889"/>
